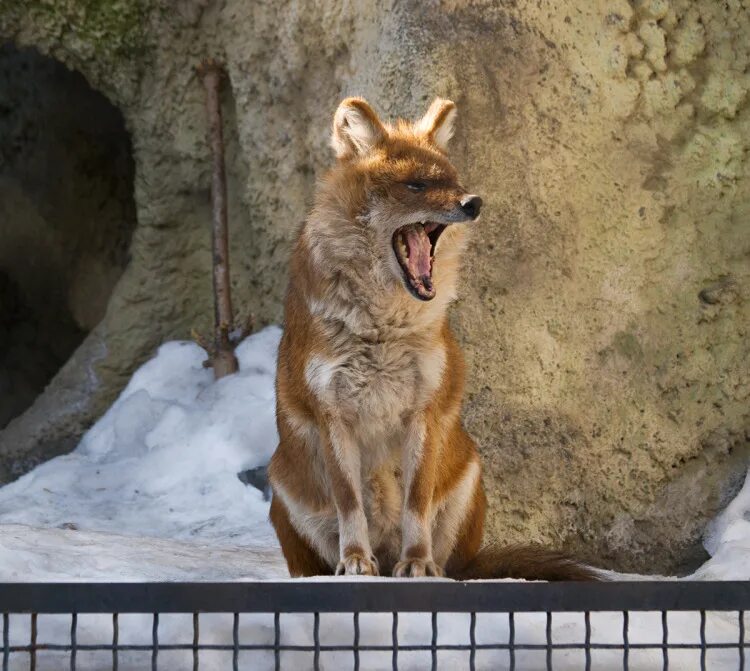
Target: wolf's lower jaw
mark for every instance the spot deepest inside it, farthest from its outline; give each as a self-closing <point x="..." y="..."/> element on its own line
<point x="414" y="247"/>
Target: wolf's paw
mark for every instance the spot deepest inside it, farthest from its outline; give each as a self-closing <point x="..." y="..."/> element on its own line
<point x="417" y="568"/>
<point x="357" y="563"/>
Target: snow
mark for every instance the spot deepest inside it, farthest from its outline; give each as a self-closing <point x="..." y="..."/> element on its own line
<point x="152" y="493"/>
<point x="728" y="541"/>
<point x="63" y="555"/>
<point x="163" y="460"/>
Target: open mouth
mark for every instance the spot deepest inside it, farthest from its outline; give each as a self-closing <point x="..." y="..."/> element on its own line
<point x="414" y="246"/>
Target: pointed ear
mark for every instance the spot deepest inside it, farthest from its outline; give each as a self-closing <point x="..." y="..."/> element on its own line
<point x="437" y="123"/>
<point x="356" y="128"/>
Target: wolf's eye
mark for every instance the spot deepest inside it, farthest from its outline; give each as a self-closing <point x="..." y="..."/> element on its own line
<point x="416" y="186"/>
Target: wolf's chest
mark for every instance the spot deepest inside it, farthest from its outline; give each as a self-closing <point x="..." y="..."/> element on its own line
<point x="378" y="384"/>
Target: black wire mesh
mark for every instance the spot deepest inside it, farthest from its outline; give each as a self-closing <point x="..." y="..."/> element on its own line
<point x="394" y="599"/>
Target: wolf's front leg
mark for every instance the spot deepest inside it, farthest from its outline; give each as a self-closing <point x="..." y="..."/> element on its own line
<point x="419" y="469"/>
<point x="342" y="460"/>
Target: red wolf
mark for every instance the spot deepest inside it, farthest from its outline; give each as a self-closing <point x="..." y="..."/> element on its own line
<point x="374" y="472"/>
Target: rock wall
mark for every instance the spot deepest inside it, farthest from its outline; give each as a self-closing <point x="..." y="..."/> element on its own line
<point x="604" y="312"/>
<point x="66" y="217"/>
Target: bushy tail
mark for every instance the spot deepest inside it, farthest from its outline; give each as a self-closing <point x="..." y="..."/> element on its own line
<point x="525" y="562"/>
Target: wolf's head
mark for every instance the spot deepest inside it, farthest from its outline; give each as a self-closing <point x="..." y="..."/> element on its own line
<point x="395" y="183"/>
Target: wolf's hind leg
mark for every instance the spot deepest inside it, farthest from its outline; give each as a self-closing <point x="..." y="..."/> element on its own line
<point x="459" y="522"/>
<point x="300" y="557"/>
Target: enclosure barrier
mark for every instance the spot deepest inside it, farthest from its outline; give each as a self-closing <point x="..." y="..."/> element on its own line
<point x="394" y="598"/>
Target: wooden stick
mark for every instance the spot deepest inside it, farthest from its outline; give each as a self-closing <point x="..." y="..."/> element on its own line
<point x="222" y="358"/>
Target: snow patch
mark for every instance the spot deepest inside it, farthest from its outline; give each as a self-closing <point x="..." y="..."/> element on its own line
<point x="163" y="460"/>
<point x="728" y="541"/>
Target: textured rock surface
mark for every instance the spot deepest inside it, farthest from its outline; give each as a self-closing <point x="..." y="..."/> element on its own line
<point x="604" y="313"/>
<point x="67" y="213"/>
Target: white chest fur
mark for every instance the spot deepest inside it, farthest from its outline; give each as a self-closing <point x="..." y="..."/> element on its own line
<point x="374" y="387"/>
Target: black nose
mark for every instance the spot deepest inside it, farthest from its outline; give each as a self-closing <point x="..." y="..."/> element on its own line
<point x="470" y="205"/>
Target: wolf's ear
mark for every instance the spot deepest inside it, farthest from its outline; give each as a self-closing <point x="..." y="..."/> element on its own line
<point x="437" y="123"/>
<point x="356" y="128"/>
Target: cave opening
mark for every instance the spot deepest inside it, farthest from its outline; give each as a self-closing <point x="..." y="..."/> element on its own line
<point x="67" y="215"/>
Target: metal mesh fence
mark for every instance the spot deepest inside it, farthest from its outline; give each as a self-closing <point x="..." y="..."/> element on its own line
<point x="407" y="624"/>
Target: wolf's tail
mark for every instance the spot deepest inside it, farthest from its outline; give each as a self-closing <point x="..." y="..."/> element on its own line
<point x="525" y="562"/>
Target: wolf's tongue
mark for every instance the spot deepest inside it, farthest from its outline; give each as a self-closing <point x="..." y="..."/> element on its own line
<point x="419" y="252"/>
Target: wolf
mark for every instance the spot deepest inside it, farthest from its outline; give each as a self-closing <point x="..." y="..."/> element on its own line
<point x="374" y="472"/>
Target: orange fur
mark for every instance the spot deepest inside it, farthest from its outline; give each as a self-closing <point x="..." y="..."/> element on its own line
<point x="374" y="472"/>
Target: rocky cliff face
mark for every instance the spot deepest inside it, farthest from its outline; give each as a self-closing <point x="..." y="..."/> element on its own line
<point x="604" y="313"/>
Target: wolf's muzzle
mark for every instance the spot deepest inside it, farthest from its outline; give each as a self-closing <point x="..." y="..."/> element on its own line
<point x="471" y="205"/>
